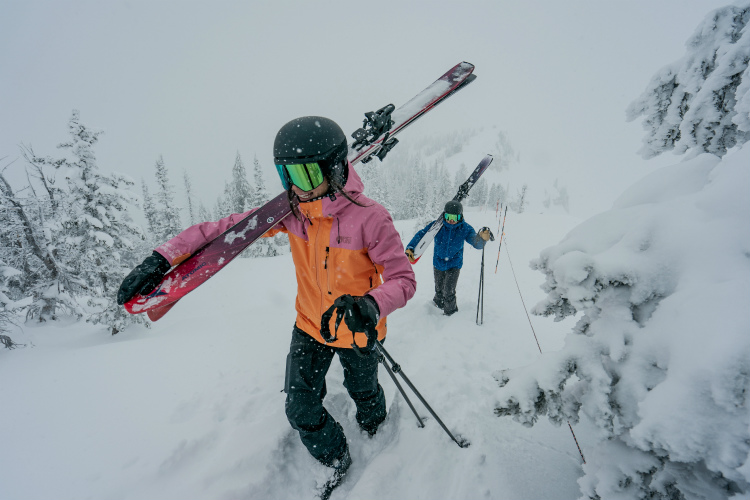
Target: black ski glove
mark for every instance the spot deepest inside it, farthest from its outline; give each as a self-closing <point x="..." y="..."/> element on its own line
<point x="361" y="314"/>
<point x="144" y="278"/>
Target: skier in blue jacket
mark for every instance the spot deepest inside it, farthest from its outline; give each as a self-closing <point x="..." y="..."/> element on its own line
<point x="448" y="256"/>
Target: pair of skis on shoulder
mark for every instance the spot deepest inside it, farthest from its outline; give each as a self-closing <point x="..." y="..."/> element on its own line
<point x="375" y="139"/>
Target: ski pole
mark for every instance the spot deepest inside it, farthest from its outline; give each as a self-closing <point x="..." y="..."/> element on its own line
<point x="537" y="341"/>
<point x="502" y="232"/>
<point x="480" y="299"/>
<point x="373" y="343"/>
<point x="381" y="358"/>
<point x="397" y="369"/>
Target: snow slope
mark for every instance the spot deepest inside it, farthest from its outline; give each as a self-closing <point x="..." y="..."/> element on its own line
<point x="193" y="408"/>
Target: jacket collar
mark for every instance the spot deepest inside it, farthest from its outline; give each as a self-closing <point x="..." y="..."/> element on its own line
<point x="451" y="227"/>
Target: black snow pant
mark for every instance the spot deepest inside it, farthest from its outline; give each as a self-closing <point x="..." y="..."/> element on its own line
<point x="445" y="289"/>
<point x="306" y="366"/>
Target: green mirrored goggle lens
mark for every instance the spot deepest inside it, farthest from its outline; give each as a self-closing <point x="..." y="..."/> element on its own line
<point x="452" y="217"/>
<point x="306" y="176"/>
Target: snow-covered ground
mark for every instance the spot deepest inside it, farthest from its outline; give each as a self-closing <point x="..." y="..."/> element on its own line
<point x="194" y="408"/>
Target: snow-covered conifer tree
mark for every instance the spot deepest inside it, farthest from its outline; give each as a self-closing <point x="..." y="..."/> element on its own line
<point x="415" y="201"/>
<point x="149" y="211"/>
<point x="441" y="189"/>
<point x="520" y="202"/>
<point x="87" y="245"/>
<point x="99" y="233"/>
<point x="700" y="103"/>
<point x="258" y="196"/>
<point x="239" y="189"/>
<point x="478" y="194"/>
<point x="258" y="193"/>
<point x="204" y="214"/>
<point x="659" y="360"/>
<point x="191" y="208"/>
<point x="224" y="202"/>
<point x="370" y="179"/>
<point x="505" y="154"/>
<point x="461" y="175"/>
<point x="167" y="222"/>
<point x="13" y="282"/>
<point x="496" y="195"/>
<point x="6" y="303"/>
<point x="30" y="233"/>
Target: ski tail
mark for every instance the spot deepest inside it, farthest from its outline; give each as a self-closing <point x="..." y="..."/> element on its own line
<point x="158" y="312"/>
<point x="448" y="84"/>
<point x="463" y="190"/>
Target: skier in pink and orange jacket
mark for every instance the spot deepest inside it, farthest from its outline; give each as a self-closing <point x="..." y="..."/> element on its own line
<point x="342" y="243"/>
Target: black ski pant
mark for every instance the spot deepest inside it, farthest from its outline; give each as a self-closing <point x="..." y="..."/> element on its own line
<point x="306" y="366"/>
<point x="445" y="289"/>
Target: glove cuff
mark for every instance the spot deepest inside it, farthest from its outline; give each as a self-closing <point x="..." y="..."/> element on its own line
<point x="162" y="264"/>
<point x="372" y="308"/>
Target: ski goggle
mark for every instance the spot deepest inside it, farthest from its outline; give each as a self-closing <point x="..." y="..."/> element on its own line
<point x="306" y="176"/>
<point x="453" y="217"/>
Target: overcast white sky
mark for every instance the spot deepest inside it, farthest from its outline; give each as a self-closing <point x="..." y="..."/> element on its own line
<point x="198" y="81"/>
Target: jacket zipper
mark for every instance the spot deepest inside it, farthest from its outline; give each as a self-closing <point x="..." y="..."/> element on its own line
<point x="328" y="276"/>
<point x="317" y="275"/>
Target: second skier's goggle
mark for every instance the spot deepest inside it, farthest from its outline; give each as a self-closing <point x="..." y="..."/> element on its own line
<point x="453" y="217"/>
<point x="306" y="176"/>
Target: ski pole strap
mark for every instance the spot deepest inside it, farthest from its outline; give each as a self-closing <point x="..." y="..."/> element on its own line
<point x="346" y="304"/>
<point x="366" y="352"/>
<point x="325" y="321"/>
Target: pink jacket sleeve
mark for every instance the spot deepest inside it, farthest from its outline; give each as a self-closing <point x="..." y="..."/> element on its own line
<point x="386" y="250"/>
<point x="191" y="239"/>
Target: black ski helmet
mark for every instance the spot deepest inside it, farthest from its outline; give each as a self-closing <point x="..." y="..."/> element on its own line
<point x="454" y="208"/>
<point x="313" y="139"/>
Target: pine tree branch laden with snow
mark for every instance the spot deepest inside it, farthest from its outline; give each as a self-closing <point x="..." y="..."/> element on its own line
<point x="27" y="234"/>
<point x="701" y="103"/>
<point x="75" y="237"/>
<point x="8" y="306"/>
<point x="167" y="223"/>
<point x="659" y="360"/>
